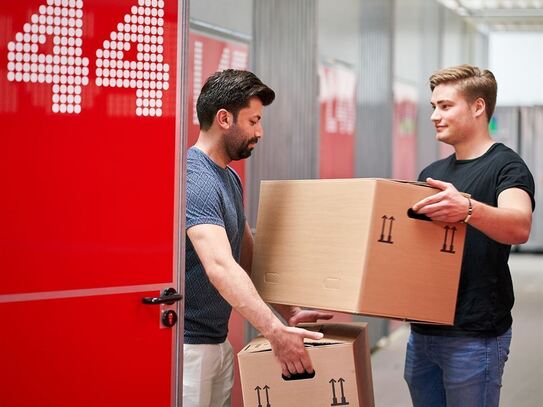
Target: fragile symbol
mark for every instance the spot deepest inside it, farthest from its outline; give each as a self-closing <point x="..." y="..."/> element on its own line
<point x="389" y="236"/>
<point x="449" y="249"/>
<point x="343" y="401"/>
<point x="265" y="388"/>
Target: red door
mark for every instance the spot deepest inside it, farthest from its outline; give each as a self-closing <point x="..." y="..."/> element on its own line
<point x="91" y="177"/>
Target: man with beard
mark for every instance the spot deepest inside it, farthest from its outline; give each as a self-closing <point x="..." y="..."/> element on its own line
<point x="220" y="244"/>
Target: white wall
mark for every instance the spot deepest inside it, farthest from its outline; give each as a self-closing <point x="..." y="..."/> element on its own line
<point x="234" y="15"/>
<point x="339" y="31"/>
<point x="516" y="59"/>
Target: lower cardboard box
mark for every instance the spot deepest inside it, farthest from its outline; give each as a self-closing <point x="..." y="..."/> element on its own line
<point x="342" y="377"/>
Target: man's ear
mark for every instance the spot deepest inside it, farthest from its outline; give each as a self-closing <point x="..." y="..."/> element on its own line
<point x="479" y="107"/>
<point x="224" y="118"/>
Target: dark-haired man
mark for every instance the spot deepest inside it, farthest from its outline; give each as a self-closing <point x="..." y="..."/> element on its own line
<point x="462" y="365"/>
<point x="219" y="245"/>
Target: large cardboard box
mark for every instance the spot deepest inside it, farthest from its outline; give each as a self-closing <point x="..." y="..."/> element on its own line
<point x="342" y="371"/>
<point x="353" y="245"/>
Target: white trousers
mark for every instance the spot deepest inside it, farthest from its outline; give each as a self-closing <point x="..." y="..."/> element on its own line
<point x="208" y="375"/>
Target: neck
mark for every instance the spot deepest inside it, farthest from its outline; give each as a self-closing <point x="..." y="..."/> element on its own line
<point x="474" y="147"/>
<point x="211" y="145"/>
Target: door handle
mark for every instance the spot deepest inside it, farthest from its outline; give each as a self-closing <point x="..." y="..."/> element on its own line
<point x="169" y="296"/>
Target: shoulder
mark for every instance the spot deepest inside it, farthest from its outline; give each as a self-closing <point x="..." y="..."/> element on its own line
<point x="505" y="158"/>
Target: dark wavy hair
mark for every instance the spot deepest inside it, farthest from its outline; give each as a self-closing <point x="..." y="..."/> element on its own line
<point x="230" y="89"/>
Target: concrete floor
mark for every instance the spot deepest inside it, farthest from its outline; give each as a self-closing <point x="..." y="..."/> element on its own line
<point x="523" y="378"/>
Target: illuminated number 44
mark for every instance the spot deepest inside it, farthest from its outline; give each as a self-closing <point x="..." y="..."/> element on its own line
<point x="68" y="71"/>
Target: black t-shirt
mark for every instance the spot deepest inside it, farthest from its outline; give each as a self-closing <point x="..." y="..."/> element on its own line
<point x="485" y="294"/>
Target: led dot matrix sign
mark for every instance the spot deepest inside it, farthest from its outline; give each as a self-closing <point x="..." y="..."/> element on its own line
<point x="67" y="69"/>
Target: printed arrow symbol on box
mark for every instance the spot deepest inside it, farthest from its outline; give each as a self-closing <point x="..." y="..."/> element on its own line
<point x="384" y="217"/>
<point x="446" y="238"/>
<point x="258" y="388"/>
<point x="341" y="381"/>
<point x="266" y="387"/>
<point x="390" y="228"/>
<point x="334" y="398"/>
<point x="451" y="247"/>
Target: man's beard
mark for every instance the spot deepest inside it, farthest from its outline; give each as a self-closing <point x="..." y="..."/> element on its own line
<point x="237" y="147"/>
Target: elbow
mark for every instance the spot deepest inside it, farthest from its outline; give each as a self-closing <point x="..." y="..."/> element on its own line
<point x="523" y="238"/>
<point x="522" y="234"/>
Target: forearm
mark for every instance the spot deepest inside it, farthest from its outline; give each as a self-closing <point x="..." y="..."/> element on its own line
<point x="504" y="225"/>
<point x="237" y="289"/>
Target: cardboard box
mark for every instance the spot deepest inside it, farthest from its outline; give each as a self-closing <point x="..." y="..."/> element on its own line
<point x="351" y="245"/>
<point x="342" y="371"/>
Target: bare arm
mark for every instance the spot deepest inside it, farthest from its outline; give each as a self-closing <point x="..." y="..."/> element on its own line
<point x="508" y="223"/>
<point x="235" y="286"/>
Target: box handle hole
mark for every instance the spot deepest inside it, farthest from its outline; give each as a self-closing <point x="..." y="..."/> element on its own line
<point x="299" y="376"/>
<point x="414" y="215"/>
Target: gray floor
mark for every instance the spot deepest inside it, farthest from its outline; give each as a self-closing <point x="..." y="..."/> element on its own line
<point x="523" y="378"/>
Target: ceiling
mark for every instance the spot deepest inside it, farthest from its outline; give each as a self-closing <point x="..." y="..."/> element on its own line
<point x="500" y="15"/>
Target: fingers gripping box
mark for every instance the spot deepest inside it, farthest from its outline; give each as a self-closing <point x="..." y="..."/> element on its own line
<point x="342" y="377"/>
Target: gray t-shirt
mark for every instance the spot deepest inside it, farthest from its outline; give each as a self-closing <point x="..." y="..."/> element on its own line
<point x="214" y="196"/>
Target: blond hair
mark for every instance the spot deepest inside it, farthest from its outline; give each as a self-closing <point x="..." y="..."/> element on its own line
<point x="473" y="82"/>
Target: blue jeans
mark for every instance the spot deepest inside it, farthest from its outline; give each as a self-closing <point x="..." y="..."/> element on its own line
<point x="446" y="371"/>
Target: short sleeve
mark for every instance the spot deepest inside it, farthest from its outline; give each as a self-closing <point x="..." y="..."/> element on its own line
<point x="516" y="174"/>
<point x="203" y="200"/>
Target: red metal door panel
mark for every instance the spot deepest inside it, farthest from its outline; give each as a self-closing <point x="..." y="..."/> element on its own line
<point x="90" y="162"/>
<point x="87" y="351"/>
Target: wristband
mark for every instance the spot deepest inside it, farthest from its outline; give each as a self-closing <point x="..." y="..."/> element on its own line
<point x="470" y="211"/>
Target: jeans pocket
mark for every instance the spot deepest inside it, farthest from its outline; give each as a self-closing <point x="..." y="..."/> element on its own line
<point x="503" y="345"/>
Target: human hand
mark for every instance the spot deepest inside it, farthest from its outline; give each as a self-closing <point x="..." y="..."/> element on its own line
<point x="449" y="205"/>
<point x="288" y="347"/>
<point x="299" y="316"/>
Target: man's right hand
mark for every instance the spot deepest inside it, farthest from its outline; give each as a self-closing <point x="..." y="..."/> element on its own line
<point x="288" y="346"/>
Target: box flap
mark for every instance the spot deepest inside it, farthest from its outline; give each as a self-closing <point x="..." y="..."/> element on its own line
<point x="333" y="334"/>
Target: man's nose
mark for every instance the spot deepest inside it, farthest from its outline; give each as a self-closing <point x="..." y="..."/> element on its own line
<point x="259" y="132"/>
<point x="435" y="117"/>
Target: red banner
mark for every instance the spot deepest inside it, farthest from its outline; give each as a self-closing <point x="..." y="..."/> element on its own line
<point x="337" y="121"/>
<point x="208" y="55"/>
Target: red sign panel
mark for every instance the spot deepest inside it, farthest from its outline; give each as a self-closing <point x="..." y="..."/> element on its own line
<point x="207" y="55"/>
<point x="337" y="121"/>
<point x="88" y="179"/>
